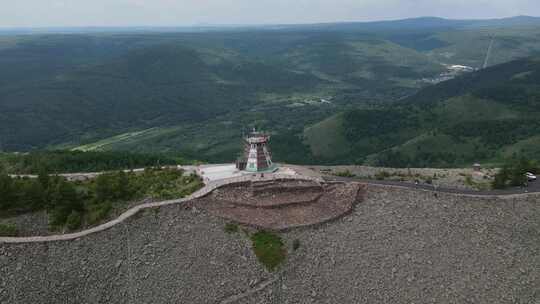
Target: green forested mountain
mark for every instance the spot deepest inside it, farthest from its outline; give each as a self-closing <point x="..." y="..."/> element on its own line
<point x="155" y="86"/>
<point x="194" y="92"/>
<point x="484" y="116"/>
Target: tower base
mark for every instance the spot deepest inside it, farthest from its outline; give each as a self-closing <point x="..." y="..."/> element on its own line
<point x="270" y="169"/>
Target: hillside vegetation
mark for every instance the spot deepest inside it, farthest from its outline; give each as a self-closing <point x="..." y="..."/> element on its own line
<point x="71" y="205"/>
<point x="195" y="92"/>
<point x="76" y="162"/>
<point x="485" y="116"/>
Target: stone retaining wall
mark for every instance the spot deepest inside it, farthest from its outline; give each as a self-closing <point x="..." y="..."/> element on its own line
<point x="284" y="211"/>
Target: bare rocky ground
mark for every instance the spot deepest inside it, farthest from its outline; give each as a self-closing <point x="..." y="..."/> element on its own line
<point x="36" y="223"/>
<point x="465" y="178"/>
<point x="397" y="246"/>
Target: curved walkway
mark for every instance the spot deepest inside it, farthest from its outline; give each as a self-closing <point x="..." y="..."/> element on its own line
<point x="131" y="212"/>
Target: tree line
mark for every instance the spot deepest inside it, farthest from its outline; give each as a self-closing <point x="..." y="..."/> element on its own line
<point x="77" y="161"/>
<point x="512" y="174"/>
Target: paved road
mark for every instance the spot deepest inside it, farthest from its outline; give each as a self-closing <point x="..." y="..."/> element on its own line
<point x="534" y="187"/>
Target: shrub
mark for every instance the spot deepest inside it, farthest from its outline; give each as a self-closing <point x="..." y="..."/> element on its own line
<point x="345" y="173"/>
<point x="64" y="201"/>
<point x="8" y="230"/>
<point x="382" y="175"/>
<point x="166" y="183"/>
<point x="469" y="181"/>
<point x="513" y="173"/>
<point x="231" y="228"/>
<point x="269" y="249"/>
<point x="113" y="186"/>
<point x="98" y="212"/>
<point x="73" y="221"/>
<point x="91" y="200"/>
<point x="7" y="192"/>
<point x="296" y="244"/>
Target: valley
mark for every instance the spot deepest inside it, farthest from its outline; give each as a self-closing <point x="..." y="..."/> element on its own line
<point x="475" y="114"/>
<point x="194" y="93"/>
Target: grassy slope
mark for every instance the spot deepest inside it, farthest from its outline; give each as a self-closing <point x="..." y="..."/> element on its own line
<point x="454" y="111"/>
<point x="478" y="122"/>
<point x="467" y="107"/>
<point x="326" y="139"/>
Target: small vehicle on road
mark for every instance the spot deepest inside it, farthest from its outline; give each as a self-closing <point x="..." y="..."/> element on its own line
<point x="530" y="177"/>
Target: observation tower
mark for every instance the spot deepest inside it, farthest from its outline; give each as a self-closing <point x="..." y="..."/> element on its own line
<point x="257" y="156"/>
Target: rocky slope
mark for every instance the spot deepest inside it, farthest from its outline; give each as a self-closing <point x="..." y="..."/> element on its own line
<point x="397" y="246"/>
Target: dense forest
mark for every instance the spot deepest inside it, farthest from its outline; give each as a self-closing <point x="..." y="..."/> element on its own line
<point x="194" y="93"/>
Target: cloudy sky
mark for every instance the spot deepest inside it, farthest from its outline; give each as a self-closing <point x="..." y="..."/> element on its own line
<point x="44" y="13"/>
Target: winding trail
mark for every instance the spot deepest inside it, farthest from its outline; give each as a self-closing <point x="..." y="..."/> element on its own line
<point x="211" y="186"/>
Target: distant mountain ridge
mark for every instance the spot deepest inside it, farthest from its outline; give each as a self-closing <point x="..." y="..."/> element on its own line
<point x="417" y="23"/>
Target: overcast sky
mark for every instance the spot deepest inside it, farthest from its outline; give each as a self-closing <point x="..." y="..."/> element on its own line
<point x="46" y="13"/>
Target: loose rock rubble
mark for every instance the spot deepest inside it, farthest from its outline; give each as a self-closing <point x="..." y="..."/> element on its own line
<point x="396" y="246"/>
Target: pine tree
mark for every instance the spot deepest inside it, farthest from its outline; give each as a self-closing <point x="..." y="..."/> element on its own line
<point x="64" y="200"/>
<point x="6" y="191"/>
